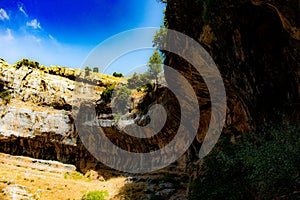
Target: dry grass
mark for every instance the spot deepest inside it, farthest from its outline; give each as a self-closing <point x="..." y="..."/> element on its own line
<point x="131" y="191"/>
<point x="51" y="186"/>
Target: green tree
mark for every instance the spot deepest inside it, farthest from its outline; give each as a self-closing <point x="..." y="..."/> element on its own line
<point x="138" y="81"/>
<point x="96" y="69"/>
<point x="107" y="94"/>
<point x="116" y="74"/>
<point x="87" y="71"/>
<point x="155" y="66"/>
<point x="159" y="38"/>
<point x="120" y="101"/>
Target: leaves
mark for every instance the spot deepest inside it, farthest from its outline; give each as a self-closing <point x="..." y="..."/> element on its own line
<point x="261" y="167"/>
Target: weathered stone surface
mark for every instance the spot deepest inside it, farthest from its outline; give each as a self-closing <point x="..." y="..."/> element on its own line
<point x="35" y="164"/>
<point x="255" y="45"/>
<point x="40" y="120"/>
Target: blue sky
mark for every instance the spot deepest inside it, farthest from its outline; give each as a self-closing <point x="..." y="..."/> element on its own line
<point x="64" y="32"/>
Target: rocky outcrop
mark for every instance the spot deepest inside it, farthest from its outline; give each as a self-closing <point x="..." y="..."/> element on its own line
<point x="38" y="121"/>
<point x="255" y="45"/>
<point x="47" y="111"/>
<point x="35" y="164"/>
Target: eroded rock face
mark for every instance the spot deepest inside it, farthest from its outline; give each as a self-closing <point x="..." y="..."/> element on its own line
<point x="47" y="111"/>
<point x="256" y="47"/>
<point x="39" y="119"/>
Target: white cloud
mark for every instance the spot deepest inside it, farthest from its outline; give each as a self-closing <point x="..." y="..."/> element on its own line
<point x="7" y="36"/>
<point x="47" y="51"/>
<point x="22" y="8"/>
<point x="3" y="15"/>
<point x="34" y="24"/>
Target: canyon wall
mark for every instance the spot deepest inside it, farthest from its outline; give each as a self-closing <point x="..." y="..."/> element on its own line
<point x="255" y="45"/>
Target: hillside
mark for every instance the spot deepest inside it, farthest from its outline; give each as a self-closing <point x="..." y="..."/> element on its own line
<point x="39" y="109"/>
<point x="58" y="113"/>
<point x="37" y="114"/>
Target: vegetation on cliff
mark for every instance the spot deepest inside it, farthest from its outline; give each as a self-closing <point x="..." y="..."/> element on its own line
<point x="5" y="96"/>
<point x="255" y="166"/>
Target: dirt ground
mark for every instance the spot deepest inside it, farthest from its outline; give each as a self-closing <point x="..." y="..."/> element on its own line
<point x="23" y="182"/>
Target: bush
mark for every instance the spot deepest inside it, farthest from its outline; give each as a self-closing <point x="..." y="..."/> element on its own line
<point x="87" y="71"/>
<point x="5" y="96"/>
<point x="27" y="63"/>
<point x="42" y="67"/>
<point x="259" y="166"/>
<point x="116" y="74"/>
<point x="74" y="175"/>
<point x="96" y="69"/>
<point x="95" y="195"/>
<point x="107" y="94"/>
<point x="139" y="81"/>
<point x="121" y="99"/>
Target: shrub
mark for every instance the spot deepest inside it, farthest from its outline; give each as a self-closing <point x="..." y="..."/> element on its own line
<point x="5" y="96"/>
<point x="96" y="69"/>
<point x="117" y="117"/>
<point x="139" y="81"/>
<point x="27" y="63"/>
<point x="87" y="71"/>
<point x="258" y="166"/>
<point x="116" y="74"/>
<point x="95" y="195"/>
<point x="107" y="94"/>
<point x="74" y="175"/>
<point x="121" y="99"/>
<point x="42" y="67"/>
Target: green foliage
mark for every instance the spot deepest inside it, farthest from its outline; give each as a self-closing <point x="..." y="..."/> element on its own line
<point x="117" y="117"/>
<point x="74" y="175"/>
<point x="107" y="94"/>
<point x="139" y="81"/>
<point x="155" y="65"/>
<point x="96" y="69"/>
<point x="5" y="96"/>
<point x="264" y="166"/>
<point x="95" y="195"/>
<point x="122" y="95"/>
<point x="159" y="38"/>
<point x="116" y="74"/>
<point x="42" y="67"/>
<point x="142" y="83"/>
<point x="146" y="88"/>
<point x="87" y="71"/>
<point x="27" y="63"/>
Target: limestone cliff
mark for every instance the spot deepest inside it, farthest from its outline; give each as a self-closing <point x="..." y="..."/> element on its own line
<point x="37" y="118"/>
<point x="40" y="118"/>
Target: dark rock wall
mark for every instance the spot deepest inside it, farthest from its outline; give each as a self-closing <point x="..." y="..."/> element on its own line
<point x="255" y="45"/>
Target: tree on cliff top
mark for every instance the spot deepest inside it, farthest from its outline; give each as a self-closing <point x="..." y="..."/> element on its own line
<point x="155" y="65"/>
<point x="87" y="71"/>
